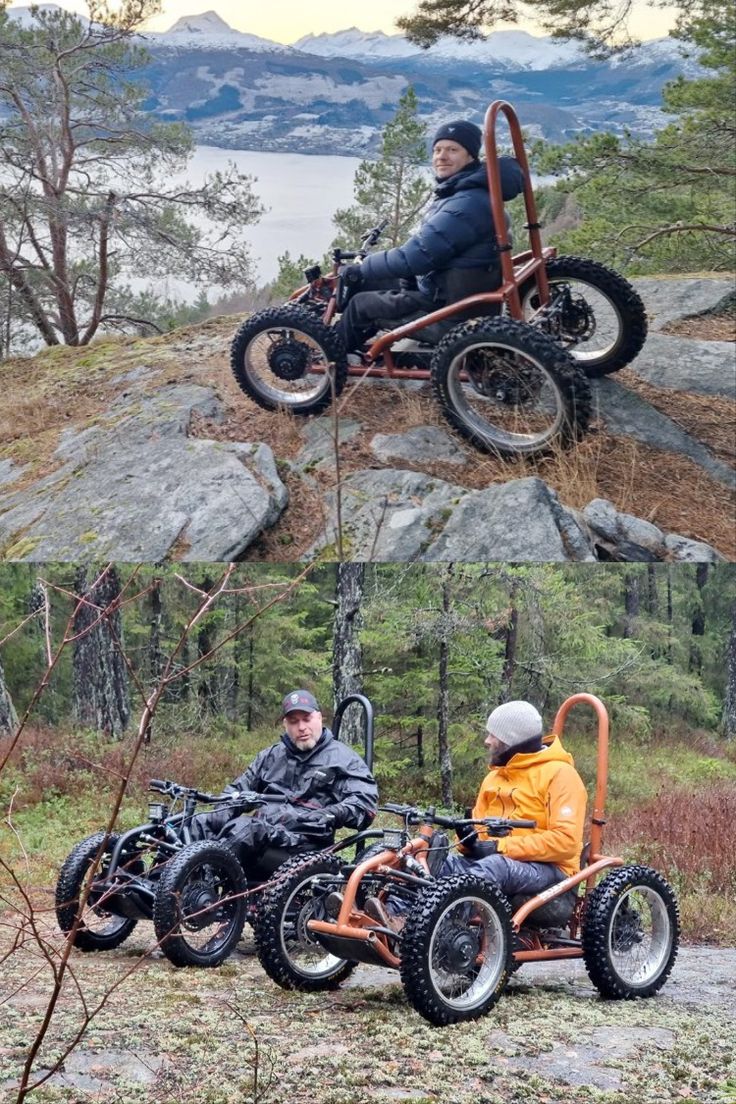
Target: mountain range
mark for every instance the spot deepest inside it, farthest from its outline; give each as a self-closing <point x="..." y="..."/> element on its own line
<point x="333" y="93"/>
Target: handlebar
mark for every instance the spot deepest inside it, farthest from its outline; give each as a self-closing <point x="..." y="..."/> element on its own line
<point x="495" y="826"/>
<point x="234" y="797"/>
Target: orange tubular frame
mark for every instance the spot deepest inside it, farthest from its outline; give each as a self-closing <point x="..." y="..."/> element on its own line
<point x="514" y="270"/>
<point x="598" y="861"/>
<point x="353" y="923"/>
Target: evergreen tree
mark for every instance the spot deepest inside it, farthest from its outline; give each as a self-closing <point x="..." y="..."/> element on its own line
<point x="395" y="187"/>
<point x="668" y="205"/>
<point x="290" y="276"/>
<point x="87" y="198"/>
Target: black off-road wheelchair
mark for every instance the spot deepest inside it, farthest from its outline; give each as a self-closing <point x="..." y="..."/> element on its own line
<point x="195" y="892"/>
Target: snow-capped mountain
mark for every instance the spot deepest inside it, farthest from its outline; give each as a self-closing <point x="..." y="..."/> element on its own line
<point x="24" y="17"/>
<point x="333" y="94"/>
<point x="507" y="49"/>
<point x="353" y="43"/>
<point x="211" y="31"/>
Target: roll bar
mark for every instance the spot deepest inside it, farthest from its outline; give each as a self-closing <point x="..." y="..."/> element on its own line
<point x="367" y="723"/>
<point x="598" y="818"/>
<point x="535" y="258"/>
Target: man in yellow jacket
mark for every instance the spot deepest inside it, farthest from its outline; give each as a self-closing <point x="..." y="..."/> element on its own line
<point x="531" y="777"/>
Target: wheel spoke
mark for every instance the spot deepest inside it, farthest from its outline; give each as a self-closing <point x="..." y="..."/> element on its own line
<point x="640" y="936"/>
<point x="287" y="365"/>
<point x="507" y="397"/>
<point x="465" y="954"/>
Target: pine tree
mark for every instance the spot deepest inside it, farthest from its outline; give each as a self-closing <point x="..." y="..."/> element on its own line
<point x="394" y="188"/>
<point x="667" y="205"/>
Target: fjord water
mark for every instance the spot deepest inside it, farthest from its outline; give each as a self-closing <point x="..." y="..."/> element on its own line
<point x="301" y="194"/>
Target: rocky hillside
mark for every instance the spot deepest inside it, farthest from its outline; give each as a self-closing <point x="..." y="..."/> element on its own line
<point x="138" y="449"/>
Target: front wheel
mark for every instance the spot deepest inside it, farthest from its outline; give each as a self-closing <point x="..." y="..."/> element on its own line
<point x="456" y="949"/>
<point x="511" y="390"/>
<point x="99" y="929"/>
<point x="593" y="312"/>
<point x="287" y="951"/>
<point x="199" y="908"/>
<point x="285" y="358"/>
<point x="631" y="931"/>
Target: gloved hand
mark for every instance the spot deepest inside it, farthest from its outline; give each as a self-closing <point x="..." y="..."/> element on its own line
<point x="316" y="823"/>
<point x="474" y="847"/>
<point x="352" y="275"/>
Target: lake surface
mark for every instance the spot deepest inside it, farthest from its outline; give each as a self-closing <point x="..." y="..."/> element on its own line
<point x="301" y="195"/>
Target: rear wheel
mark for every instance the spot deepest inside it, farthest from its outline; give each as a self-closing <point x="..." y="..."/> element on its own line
<point x="510" y="389"/>
<point x="631" y="931"/>
<point x="456" y="949"/>
<point x="287" y="951"/>
<point x="594" y="313"/>
<point x="199" y="909"/>
<point x="99" y="929"/>
<point x="285" y="358"/>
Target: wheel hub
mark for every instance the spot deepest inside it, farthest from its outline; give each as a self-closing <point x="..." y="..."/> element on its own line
<point x="460" y="951"/>
<point x="503" y="377"/>
<point x="628" y="930"/>
<point x="288" y="359"/>
<point x="577" y="319"/>
<point x="196" y="905"/>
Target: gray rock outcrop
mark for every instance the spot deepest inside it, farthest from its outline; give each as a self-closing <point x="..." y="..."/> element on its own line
<point x="138" y="488"/>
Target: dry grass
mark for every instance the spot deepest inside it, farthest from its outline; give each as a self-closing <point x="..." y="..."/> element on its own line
<point x="706" y="327"/>
<point x="664" y="488"/>
<point x="63" y="387"/>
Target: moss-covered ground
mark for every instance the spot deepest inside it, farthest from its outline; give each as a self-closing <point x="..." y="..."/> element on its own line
<point x="186" y="1036"/>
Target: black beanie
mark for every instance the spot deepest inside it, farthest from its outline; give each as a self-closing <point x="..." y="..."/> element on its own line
<point x="467" y="135"/>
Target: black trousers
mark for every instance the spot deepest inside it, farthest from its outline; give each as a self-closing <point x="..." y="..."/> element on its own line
<point x="248" y="836"/>
<point x="372" y="310"/>
<point x="386" y="305"/>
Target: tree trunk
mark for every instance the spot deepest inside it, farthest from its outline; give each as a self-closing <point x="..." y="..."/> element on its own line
<point x="155" y="654"/>
<point x="238" y="654"/>
<point x="537" y="679"/>
<point x="100" y="675"/>
<point x="669" y="613"/>
<point x="443" y="698"/>
<point x="251" y="675"/>
<point x="347" y="653"/>
<point x="8" y="716"/>
<point x="697" y="623"/>
<point x="208" y="684"/>
<point x="509" y="656"/>
<point x="632" y="601"/>
<point x="729" y="697"/>
<point x="652" y="596"/>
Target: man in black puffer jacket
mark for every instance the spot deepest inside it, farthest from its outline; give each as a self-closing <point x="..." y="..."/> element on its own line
<point x="454" y="254"/>
<point x="325" y="785"/>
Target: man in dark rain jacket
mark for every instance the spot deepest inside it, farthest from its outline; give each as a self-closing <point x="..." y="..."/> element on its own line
<point x="325" y="785"/>
<point x="454" y="254"/>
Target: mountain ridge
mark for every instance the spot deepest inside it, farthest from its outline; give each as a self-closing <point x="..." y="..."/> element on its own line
<point x="240" y="91"/>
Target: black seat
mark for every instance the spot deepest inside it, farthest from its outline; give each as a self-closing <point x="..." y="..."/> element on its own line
<point x="552" y="914"/>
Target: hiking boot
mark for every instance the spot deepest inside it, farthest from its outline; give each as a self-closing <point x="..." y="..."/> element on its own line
<point x="376" y="909"/>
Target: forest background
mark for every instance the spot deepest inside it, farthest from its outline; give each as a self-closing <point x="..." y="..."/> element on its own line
<point x="434" y="647"/>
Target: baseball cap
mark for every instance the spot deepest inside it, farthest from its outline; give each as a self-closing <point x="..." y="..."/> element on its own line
<point x="300" y="700"/>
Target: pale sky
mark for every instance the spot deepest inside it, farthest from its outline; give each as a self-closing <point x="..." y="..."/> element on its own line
<point x="287" y="20"/>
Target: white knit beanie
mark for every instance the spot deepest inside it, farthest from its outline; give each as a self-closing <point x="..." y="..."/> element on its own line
<point x="514" y="723"/>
